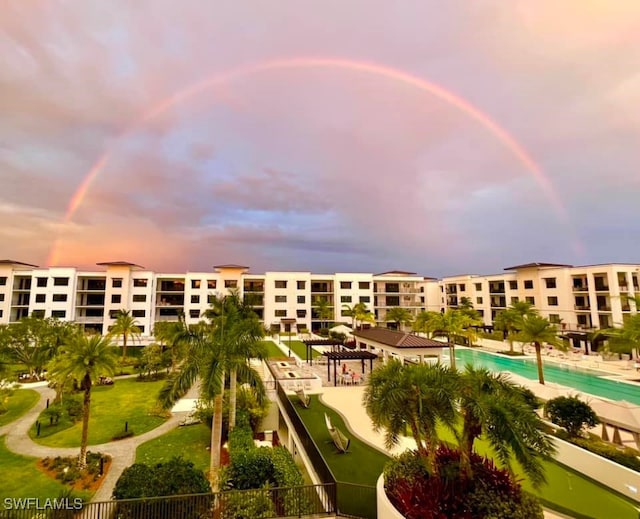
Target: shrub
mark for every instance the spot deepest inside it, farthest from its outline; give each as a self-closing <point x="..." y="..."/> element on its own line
<point x="123" y="434"/>
<point x="246" y="505"/>
<point x="571" y="413"/>
<point x="626" y="457"/>
<point x="251" y="468"/>
<point x="73" y="407"/>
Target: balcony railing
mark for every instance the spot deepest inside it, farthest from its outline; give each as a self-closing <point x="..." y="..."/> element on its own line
<point x="604" y="308"/>
<point x="580" y="288"/>
<point x="602" y="288"/>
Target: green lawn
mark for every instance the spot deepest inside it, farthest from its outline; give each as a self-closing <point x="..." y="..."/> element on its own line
<point x="19" y="403"/>
<point x="361" y="465"/>
<point x="111" y="406"/>
<point x="191" y="442"/>
<point x="300" y="349"/>
<point x="20" y="477"/>
<point x="273" y="351"/>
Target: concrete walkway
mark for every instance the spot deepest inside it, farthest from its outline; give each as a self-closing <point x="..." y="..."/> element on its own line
<point x="122" y="452"/>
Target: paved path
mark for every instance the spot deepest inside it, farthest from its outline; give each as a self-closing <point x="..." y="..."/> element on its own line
<point x="122" y="452"/>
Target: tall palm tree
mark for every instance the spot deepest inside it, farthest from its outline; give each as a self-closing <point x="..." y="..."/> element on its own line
<point x="85" y="358"/>
<point x="626" y="338"/>
<point x="354" y="311"/>
<point x="398" y="315"/>
<point x="426" y="322"/>
<point x="324" y="309"/>
<point x="456" y="323"/>
<point x="417" y="396"/>
<point x="510" y="320"/>
<point x="537" y="330"/>
<point x="127" y="326"/>
<point x="168" y="334"/>
<point x="495" y="408"/>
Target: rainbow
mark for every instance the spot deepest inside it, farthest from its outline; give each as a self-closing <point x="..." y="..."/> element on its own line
<point x="363" y="67"/>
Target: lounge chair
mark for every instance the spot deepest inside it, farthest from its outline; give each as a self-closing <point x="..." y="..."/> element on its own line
<point x="304" y="399"/>
<point x="339" y="440"/>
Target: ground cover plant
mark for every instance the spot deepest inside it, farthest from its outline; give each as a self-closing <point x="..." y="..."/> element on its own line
<point x="300" y="349"/>
<point x="18" y="403"/>
<point x="65" y="469"/>
<point x="273" y="351"/>
<point x="128" y="402"/>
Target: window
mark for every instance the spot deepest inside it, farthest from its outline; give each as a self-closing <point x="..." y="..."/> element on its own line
<point x="3" y="280"/>
<point x="116" y="298"/>
<point x="59" y="314"/>
<point x="364" y="285"/>
<point x="195" y="283"/>
<point x="281" y="299"/>
<point x="113" y="314"/>
<point x="301" y="300"/>
<point x="513" y="285"/>
<point x="138" y="313"/>
<point x="58" y="298"/>
<point x="211" y="284"/>
<point x="345" y="299"/>
<point x="41" y="298"/>
<point x="38" y="314"/>
<point x="528" y="284"/>
<point x="281" y="313"/>
<point x="550" y="282"/>
<point x="301" y="314"/>
<point x="194" y="314"/>
<point x="210" y="298"/>
<point x="281" y="284"/>
<point x="554" y="318"/>
<point x="479" y="300"/>
<point x="139" y="282"/>
<point x="530" y="299"/>
<point x="552" y="301"/>
<point x="462" y="287"/>
<point x="230" y="283"/>
<point x="478" y="286"/>
<point x="345" y="285"/>
<point x="60" y="282"/>
<point x="515" y="299"/>
<point x="116" y="282"/>
<point x="42" y="282"/>
<point x="393" y="301"/>
<point x="1" y="312"/>
<point x="1" y="297"/>
<point x="364" y="299"/>
<point x="301" y="285"/>
<point x="195" y="299"/>
<point x="139" y="298"/>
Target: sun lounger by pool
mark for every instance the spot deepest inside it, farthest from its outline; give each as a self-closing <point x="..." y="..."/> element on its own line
<point x="304" y="399"/>
<point x="339" y="440"/>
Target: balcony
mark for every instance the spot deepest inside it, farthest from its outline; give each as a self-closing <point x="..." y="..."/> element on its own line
<point x="600" y="287"/>
<point x="581" y="288"/>
<point x="604" y="308"/>
<point x="582" y="307"/>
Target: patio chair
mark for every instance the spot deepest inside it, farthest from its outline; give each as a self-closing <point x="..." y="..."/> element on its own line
<point x="340" y="441"/>
<point x="303" y="398"/>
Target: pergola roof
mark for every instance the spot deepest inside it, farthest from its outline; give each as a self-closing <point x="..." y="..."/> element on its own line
<point x="396" y="339"/>
<point x="350" y="355"/>
<point x="322" y="342"/>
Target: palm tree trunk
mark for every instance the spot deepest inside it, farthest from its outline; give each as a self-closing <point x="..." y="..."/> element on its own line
<point x="452" y="352"/>
<point x="216" y="439"/>
<point x="86" y="408"/>
<point x="539" y="362"/>
<point x="510" y="339"/>
<point x="233" y="397"/>
<point x="124" y="346"/>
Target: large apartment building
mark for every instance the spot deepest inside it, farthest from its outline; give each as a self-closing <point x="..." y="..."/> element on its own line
<point x="285" y="300"/>
<point x="577" y="298"/>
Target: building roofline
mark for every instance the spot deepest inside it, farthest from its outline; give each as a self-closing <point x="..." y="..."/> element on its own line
<point x="119" y="264"/>
<point x="539" y="265"/>
<point x="13" y="262"/>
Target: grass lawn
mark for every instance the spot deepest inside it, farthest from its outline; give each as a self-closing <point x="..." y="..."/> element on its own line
<point x="191" y="442"/>
<point x="300" y="349"/>
<point x="273" y="352"/>
<point x="20" y="477"/>
<point x="361" y="465"/>
<point x="570" y="492"/>
<point x="19" y="403"/>
<point x="111" y="406"/>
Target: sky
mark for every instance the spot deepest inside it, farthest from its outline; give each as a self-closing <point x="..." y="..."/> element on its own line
<point x="338" y="136"/>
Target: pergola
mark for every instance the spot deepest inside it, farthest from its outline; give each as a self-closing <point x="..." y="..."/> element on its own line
<point x="405" y="345"/>
<point x="339" y="356"/>
<point x="310" y="343"/>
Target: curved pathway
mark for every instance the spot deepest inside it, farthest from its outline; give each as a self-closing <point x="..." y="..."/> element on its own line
<point x="122" y="452"/>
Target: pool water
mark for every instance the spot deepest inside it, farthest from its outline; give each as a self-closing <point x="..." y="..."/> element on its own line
<point x="584" y="380"/>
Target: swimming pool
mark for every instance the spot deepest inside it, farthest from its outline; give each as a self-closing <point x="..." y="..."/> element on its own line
<point x="585" y="380"/>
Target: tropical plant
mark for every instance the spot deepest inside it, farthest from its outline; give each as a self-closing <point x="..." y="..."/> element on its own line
<point x="454" y="323"/>
<point x="126" y="326"/>
<point x="626" y="337"/>
<point x="466" y="307"/>
<point x="356" y="312"/>
<point x="85" y="358"/>
<point x="168" y="334"/>
<point x="537" y="330"/>
<point x="398" y="315"/>
<point x="324" y="310"/>
<point x="413" y="396"/>
<point x="572" y="414"/>
<point x="510" y="320"/>
<point x="426" y="322"/>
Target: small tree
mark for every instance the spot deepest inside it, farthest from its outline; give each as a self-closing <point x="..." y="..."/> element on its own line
<point x="572" y="414"/>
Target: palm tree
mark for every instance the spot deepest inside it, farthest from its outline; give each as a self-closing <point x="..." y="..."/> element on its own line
<point x="399" y="315"/>
<point x="168" y="333"/>
<point x="324" y="309"/>
<point x="510" y="320"/>
<point x="456" y="323"/>
<point x="85" y="358"/>
<point x="495" y="408"/>
<point x="417" y="396"/>
<point x="426" y="322"/>
<point x="354" y="312"/>
<point x="127" y="326"/>
<point x="537" y="330"/>
<point x="626" y="338"/>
